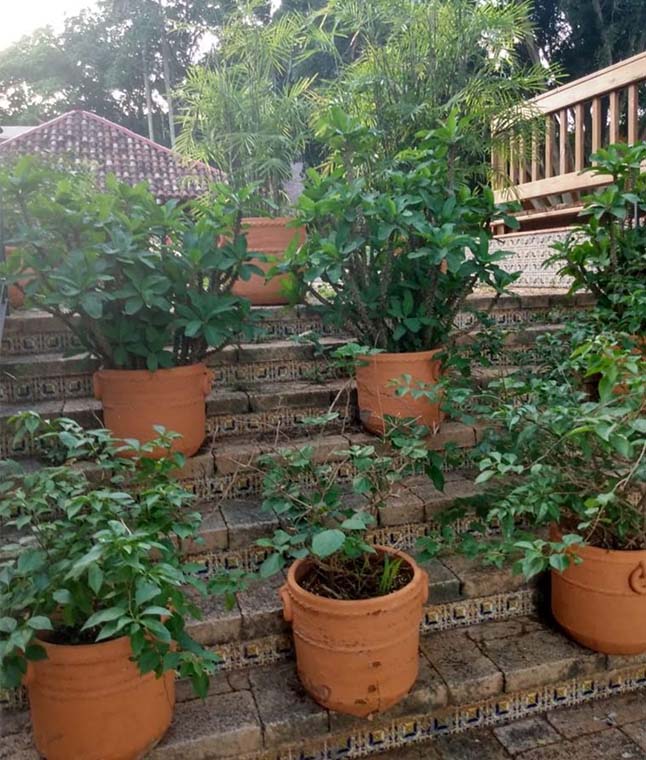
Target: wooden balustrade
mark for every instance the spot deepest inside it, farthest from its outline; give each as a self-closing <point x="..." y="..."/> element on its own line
<point x="550" y="172"/>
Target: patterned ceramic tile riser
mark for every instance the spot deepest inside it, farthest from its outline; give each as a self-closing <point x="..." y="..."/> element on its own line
<point x="35" y="332"/>
<point x="28" y="333"/>
<point x="529" y="252"/>
<point x="277" y="409"/>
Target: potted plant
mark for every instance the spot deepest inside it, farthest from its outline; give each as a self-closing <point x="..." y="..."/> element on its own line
<point x="605" y="253"/>
<point x="145" y="287"/>
<point x="94" y="593"/>
<point x="355" y="608"/>
<point x="398" y="246"/>
<point x="565" y="491"/>
<point x="246" y="113"/>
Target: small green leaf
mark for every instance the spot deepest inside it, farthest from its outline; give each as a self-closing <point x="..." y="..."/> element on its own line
<point x="327" y="542"/>
<point x="104" y="616"/>
<point x="40" y="623"/>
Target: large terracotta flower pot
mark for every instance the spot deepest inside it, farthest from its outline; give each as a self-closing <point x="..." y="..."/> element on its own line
<point x="90" y="702"/>
<point x="134" y="401"/>
<point x="271" y="237"/>
<point x="377" y="394"/>
<point x="601" y="602"/>
<point x="356" y="657"/>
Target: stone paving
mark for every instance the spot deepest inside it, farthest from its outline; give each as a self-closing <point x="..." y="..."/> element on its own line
<point x="609" y="729"/>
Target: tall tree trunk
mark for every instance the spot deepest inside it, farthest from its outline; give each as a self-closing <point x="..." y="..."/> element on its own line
<point x="168" y="83"/>
<point x="149" y="99"/>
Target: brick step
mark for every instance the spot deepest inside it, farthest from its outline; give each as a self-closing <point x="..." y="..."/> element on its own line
<point x="269" y="408"/>
<point x="32" y="331"/>
<point x="516" y="688"/>
<point x="230" y="470"/>
<point x="230" y="527"/>
<point x="51" y="377"/>
<point x="481" y="676"/>
<point x="30" y="379"/>
<point x="35" y="332"/>
<point x="461" y="593"/>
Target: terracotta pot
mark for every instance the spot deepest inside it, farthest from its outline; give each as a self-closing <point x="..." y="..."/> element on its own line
<point x="377" y="395"/>
<point x="134" y="401"/>
<point x="271" y="237"/>
<point x="356" y="657"/>
<point x="601" y="603"/>
<point x="90" y="702"/>
<point x="15" y="292"/>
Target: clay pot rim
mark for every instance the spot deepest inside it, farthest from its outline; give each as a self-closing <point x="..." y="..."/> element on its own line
<point x="392" y="357"/>
<point x="98" y="650"/>
<point x="618" y="556"/>
<point x="134" y="374"/>
<point x="362" y="606"/>
<point x="267" y="221"/>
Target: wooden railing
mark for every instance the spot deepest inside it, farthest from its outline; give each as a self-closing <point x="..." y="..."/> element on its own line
<point x="566" y="126"/>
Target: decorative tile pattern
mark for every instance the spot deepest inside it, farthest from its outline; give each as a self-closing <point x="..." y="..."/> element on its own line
<point x="17" y="343"/>
<point x="282" y="419"/>
<point x="407" y="731"/>
<point x="530" y="251"/>
<point x="21" y="390"/>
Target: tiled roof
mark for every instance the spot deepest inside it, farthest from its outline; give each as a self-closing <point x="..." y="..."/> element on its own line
<point x="108" y="148"/>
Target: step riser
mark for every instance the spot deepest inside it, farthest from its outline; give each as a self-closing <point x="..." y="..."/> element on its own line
<point x="28" y="335"/>
<point x="27" y="384"/>
<point x="379" y="736"/>
<point x="219" y="427"/>
<point x="44" y="335"/>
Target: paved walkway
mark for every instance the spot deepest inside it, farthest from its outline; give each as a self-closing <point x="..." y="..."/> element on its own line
<point x="611" y="729"/>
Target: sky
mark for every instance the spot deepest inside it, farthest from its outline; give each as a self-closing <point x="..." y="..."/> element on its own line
<point x="21" y="17"/>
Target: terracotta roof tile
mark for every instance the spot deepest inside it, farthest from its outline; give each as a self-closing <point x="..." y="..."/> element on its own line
<point x="84" y="138"/>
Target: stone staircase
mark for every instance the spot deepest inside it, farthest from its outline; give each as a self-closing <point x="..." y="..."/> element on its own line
<point x="490" y="655"/>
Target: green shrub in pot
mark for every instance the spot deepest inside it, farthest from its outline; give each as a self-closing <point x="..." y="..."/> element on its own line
<point x="565" y="490"/>
<point x="94" y="591"/>
<point x="399" y="245"/>
<point x="343" y="593"/>
<point x="606" y="253"/>
<point x="144" y="286"/>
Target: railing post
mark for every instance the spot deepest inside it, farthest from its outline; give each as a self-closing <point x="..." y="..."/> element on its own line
<point x="633" y="116"/>
<point x="579" y="138"/>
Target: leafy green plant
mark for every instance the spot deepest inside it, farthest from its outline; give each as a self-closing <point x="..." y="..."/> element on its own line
<point x="606" y="253"/>
<point x="327" y="523"/>
<point x="150" y="283"/>
<point x="399" y="244"/>
<point x="557" y="458"/>
<point x="99" y="558"/>
<point x="245" y="111"/>
<point x="402" y="67"/>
